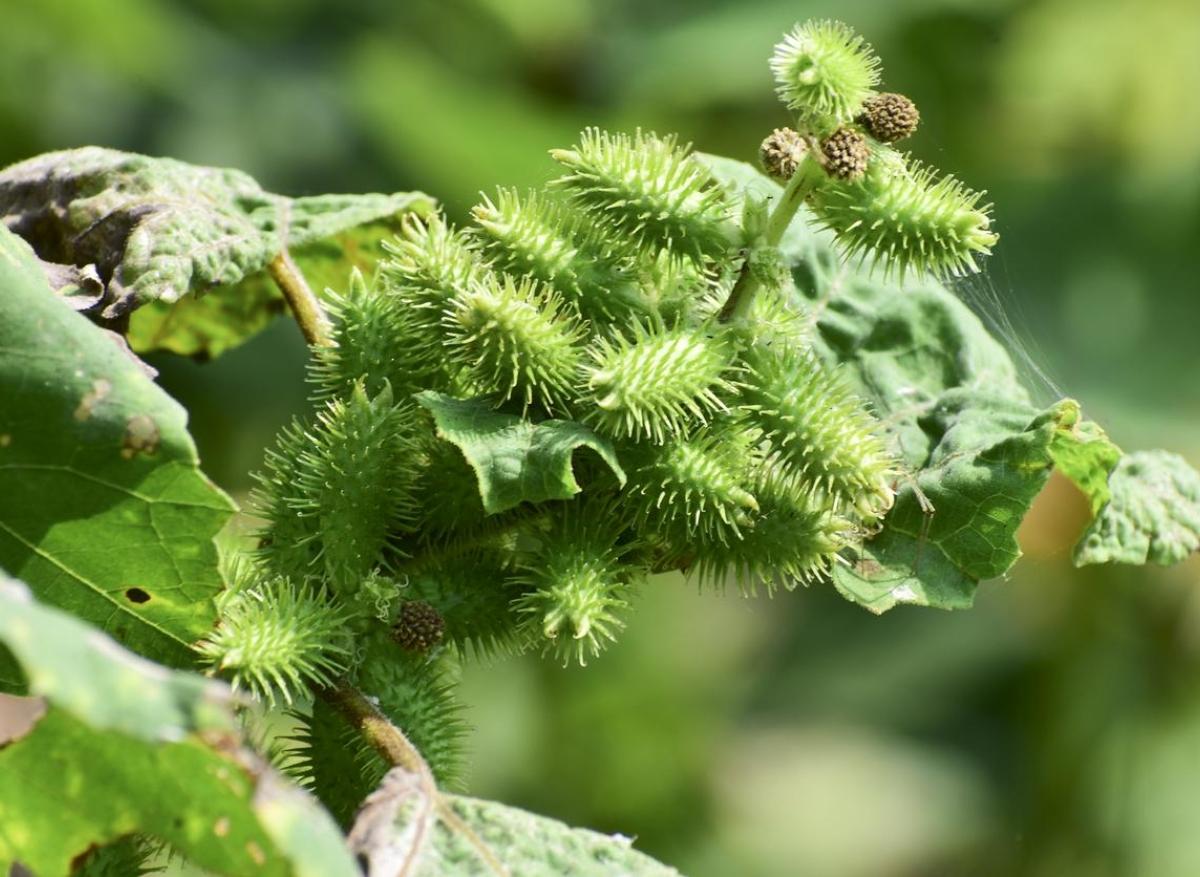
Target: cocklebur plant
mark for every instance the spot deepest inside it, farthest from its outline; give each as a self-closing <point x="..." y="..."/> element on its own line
<point x="635" y="298"/>
<point x="659" y="362"/>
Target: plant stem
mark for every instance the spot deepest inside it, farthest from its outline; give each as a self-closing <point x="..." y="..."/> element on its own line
<point x="367" y="719"/>
<point x="309" y="314"/>
<point x="806" y="178"/>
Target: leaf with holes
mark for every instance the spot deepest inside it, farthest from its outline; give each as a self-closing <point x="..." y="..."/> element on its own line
<point x="103" y="509"/>
<point x="126" y="746"/>
<point x="515" y="460"/>
<point x="160" y="232"/>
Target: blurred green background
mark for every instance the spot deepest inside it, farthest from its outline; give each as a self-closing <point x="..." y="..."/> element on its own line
<point x="1055" y="729"/>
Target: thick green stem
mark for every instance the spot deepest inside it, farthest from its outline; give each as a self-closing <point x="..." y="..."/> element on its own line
<point x="806" y="178"/>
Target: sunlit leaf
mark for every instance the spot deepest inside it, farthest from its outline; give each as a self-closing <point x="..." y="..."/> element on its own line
<point x="103" y="509"/>
<point x="126" y="746"/>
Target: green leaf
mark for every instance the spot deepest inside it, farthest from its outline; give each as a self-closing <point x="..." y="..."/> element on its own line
<point x="156" y="230"/>
<point x="401" y="833"/>
<point x="515" y="460"/>
<point x="977" y="451"/>
<point x="1083" y="453"/>
<point x="1154" y="513"/>
<point x="987" y="464"/>
<point x="738" y="177"/>
<point x="127" y="746"/>
<point x="103" y="509"/>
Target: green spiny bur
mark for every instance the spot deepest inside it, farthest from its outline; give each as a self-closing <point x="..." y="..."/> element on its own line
<point x="608" y="298"/>
<point x="576" y="587"/>
<point x="544" y="238"/>
<point x="432" y="260"/>
<point x="793" y="538"/>
<point x="128" y="857"/>
<point x="517" y="339"/>
<point x="430" y="264"/>
<point x="415" y="692"/>
<point x="289" y="543"/>
<point x="824" y="71"/>
<point x="690" y="486"/>
<point x="376" y="339"/>
<point x="905" y="217"/>
<point x="336" y="764"/>
<point x="533" y="235"/>
<point x="654" y="383"/>
<point x="277" y="637"/>
<point x="474" y="593"/>
<point x="680" y="291"/>
<point x="818" y="432"/>
<point x="355" y="480"/>
<point x="647" y="190"/>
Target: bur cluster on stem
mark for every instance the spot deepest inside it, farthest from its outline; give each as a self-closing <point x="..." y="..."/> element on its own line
<point x="638" y="298"/>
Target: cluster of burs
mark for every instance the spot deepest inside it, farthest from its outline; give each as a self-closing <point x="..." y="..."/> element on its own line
<point x="601" y="299"/>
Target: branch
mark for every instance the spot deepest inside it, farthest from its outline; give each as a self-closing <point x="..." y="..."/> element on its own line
<point x="374" y="727"/>
<point x="397" y="750"/>
<point x="305" y="308"/>
<point x="806" y="178"/>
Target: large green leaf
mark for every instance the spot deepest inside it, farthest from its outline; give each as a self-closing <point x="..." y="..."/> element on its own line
<point x="955" y="522"/>
<point x="126" y="746"/>
<point x="975" y="449"/>
<point x="400" y="832"/>
<point x="156" y="230"/>
<point x="515" y="460"/>
<point x="1154" y="514"/>
<point x="103" y="509"/>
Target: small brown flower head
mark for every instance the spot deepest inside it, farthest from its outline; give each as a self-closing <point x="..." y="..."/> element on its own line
<point x="781" y="153"/>
<point x="890" y="117"/>
<point x="846" y="154"/>
<point x="419" y="626"/>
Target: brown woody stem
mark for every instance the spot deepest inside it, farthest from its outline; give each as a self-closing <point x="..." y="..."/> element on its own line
<point x="309" y="314"/>
<point x="374" y="727"/>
